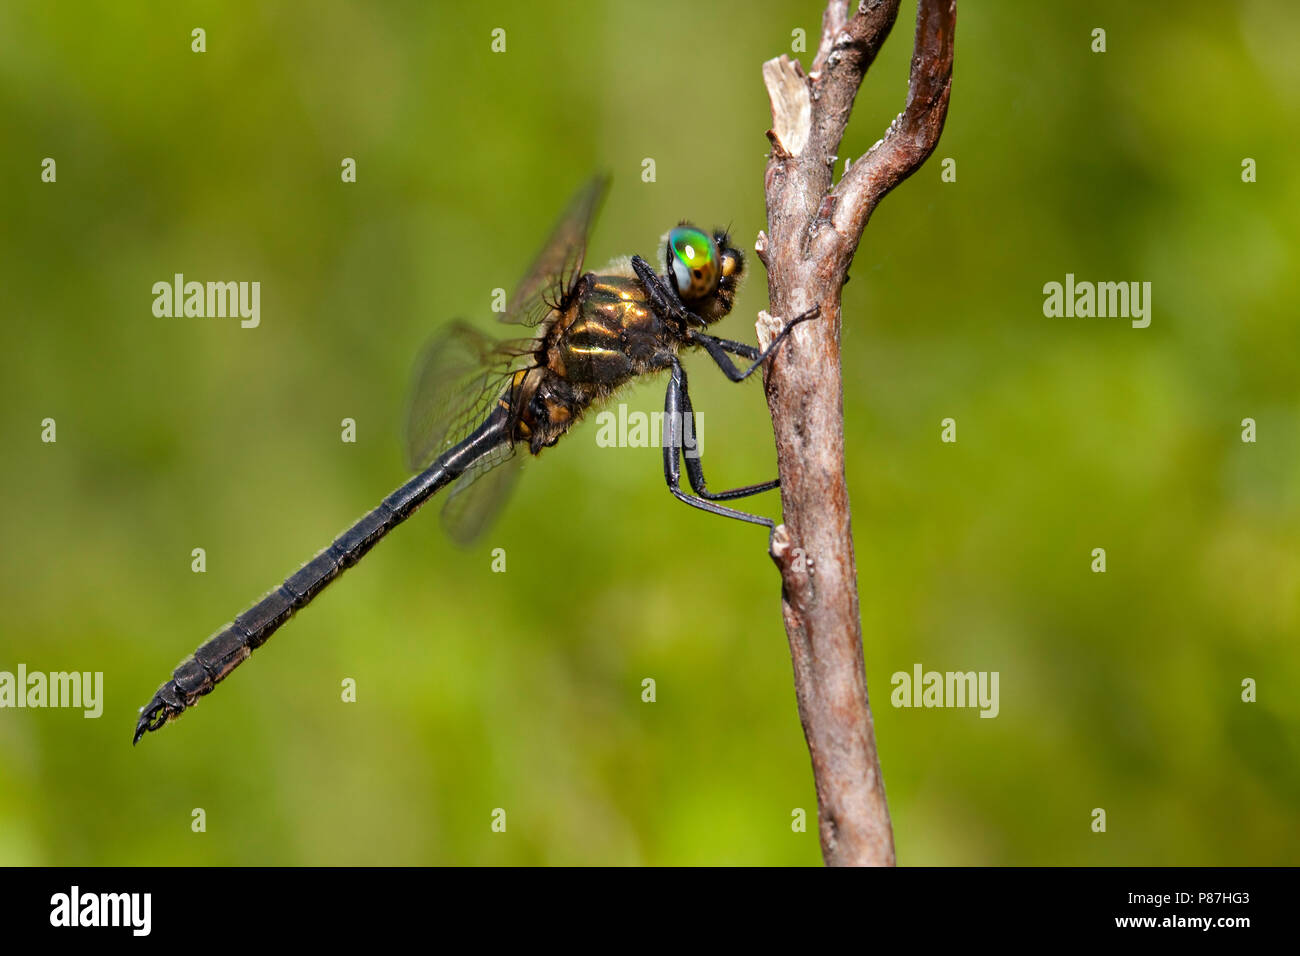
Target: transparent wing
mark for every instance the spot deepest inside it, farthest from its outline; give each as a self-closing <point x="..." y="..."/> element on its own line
<point x="457" y="378"/>
<point x="559" y="265"/>
<point x="478" y="496"/>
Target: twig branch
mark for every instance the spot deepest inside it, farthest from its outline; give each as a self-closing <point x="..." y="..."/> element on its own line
<point x="813" y="231"/>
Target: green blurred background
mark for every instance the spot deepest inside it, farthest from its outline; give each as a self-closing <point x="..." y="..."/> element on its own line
<point x="522" y="690"/>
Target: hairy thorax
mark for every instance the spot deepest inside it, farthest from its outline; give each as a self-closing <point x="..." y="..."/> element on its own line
<point x="607" y="336"/>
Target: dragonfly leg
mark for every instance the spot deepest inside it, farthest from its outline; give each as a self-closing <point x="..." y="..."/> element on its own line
<point x="742" y="349"/>
<point x="718" y="348"/>
<point x="663" y="299"/>
<point x="675" y="408"/>
<point x="695" y="467"/>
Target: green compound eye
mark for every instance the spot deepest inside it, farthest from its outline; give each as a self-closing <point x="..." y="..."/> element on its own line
<point x="693" y="262"/>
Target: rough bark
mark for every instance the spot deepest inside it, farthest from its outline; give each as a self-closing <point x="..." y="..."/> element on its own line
<point x="813" y="228"/>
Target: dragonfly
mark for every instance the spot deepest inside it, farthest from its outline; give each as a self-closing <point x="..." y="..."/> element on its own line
<point x="480" y="405"/>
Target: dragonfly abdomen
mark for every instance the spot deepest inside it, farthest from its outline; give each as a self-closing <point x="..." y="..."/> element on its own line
<point x="199" y="673"/>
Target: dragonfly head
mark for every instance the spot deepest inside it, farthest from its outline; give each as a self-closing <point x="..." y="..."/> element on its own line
<point x="704" y="270"/>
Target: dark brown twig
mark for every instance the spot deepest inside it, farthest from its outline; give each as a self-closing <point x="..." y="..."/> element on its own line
<point x="814" y="226"/>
